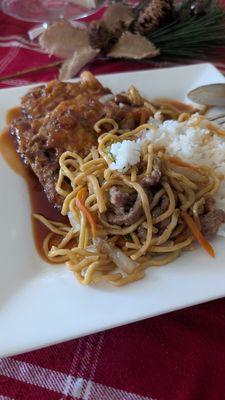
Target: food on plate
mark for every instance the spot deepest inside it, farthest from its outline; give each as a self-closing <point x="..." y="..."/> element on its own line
<point x="138" y="180"/>
<point x="60" y="117"/>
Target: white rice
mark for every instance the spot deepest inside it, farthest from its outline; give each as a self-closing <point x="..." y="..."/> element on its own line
<point x="125" y="154"/>
<point x="195" y="144"/>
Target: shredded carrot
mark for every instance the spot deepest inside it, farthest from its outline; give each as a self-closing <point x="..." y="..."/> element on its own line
<point x="197" y="234"/>
<point x="181" y="238"/>
<point x="81" y="195"/>
<point x="180" y="163"/>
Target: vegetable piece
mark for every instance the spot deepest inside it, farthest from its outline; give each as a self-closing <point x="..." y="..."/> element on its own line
<point x="181" y="238"/>
<point x="121" y="260"/>
<point x="73" y="222"/>
<point x="197" y="234"/>
<point x="81" y="195"/>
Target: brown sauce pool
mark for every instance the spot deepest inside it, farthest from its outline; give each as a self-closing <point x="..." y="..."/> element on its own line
<point x="38" y="199"/>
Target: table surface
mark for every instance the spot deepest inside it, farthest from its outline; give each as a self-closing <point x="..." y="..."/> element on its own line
<point x="178" y="356"/>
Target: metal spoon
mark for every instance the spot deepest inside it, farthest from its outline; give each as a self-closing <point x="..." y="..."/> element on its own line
<point x="209" y="95"/>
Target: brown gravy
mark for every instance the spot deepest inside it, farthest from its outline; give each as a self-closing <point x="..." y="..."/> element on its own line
<point x="12" y="114"/>
<point x="38" y="199"/>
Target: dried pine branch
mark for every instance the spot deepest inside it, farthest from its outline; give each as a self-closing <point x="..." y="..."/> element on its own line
<point x="191" y="35"/>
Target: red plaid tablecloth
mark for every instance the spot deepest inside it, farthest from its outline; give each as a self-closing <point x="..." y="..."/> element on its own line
<point x="178" y="356"/>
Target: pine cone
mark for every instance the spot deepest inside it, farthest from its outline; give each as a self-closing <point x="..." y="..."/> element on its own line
<point x="153" y="15"/>
<point x="101" y="37"/>
<point x="198" y="8"/>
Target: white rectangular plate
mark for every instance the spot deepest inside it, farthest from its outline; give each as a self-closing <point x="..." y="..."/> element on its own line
<point x="41" y="304"/>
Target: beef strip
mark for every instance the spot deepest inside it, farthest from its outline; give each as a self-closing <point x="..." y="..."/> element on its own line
<point x="154" y="178"/>
<point x="209" y="204"/>
<point x="157" y="211"/>
<point x="126" y="210"/>
<point x="161" y="226"/>
<point x="128" y="116"/>
<point x="162" y="207"/>
<point x="211" y="221"/>
<point x="120" y="200"/>
<point x="141" y="233"/>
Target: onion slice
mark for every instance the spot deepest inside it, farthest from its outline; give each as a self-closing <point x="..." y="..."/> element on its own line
<point x="107" y="97"/>
<point x="116" y="255"/>
<point x="75" y="225"/>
